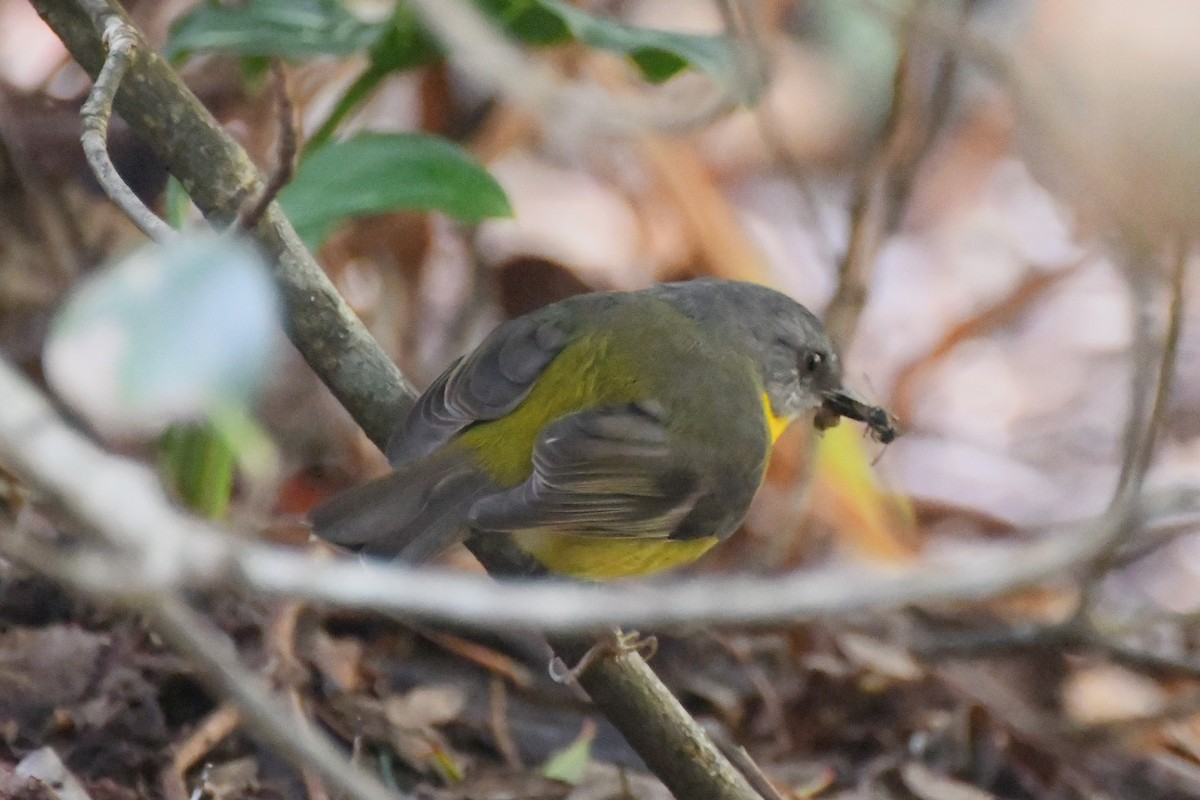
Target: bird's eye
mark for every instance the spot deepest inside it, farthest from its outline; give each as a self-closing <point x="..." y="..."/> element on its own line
<point x="813" y="360"/>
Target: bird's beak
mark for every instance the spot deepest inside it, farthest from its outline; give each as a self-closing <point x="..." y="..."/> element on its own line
<point x="842" y="402"/>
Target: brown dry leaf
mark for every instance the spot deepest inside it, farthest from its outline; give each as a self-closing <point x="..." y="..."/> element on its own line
<point x="491" y="659"/>
<point x="47" y="667"/>
<point x="565" y="216"/>
<point x="44" y="765"/>
<point x="1108" y="693"/>
<point x="414" y="717"/>
<point x="425" y="706"/>
<point x="339" y="660"/>
<point x="881" y="658"/>
<point x="1185" y="736"/>
<point x="355" y="716"/>
<point x="929" y="785"/>
<point x="231" y="780"/>
<point x="604" y="781"/>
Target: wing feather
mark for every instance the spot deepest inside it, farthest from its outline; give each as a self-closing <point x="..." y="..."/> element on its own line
<point x="601" y="472"/>
<point x="484" y="385"/>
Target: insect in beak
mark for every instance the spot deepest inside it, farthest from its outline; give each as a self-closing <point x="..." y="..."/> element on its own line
<point x="844" y="403"/>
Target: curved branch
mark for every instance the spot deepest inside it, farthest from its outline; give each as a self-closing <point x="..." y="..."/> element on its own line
<point x="121" y="41"/>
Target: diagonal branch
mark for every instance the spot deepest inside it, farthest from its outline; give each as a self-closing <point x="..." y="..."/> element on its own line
<point x="218" y="176"/>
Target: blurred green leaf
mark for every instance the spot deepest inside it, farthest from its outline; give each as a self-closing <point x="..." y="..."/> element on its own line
<point x="375" y="172"/>
<point x="177" y="204"/>
<point x="862" y="45"/>
<point x="165" y="334"/>
<point x="659" y="54"/>
<point x="568" y="765"/>
<point x="198" y="463"/>
<point x="200" y="460"/>
<point x="528" y="21"/>
<point x="306" y="28"/>
<point x="404" y="44"/>
<point x="288" y="28"/>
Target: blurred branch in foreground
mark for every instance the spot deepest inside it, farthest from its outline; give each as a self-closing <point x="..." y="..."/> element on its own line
<point x="182" y="552"/>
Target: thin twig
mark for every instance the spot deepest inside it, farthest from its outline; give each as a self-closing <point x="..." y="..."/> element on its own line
<point x="210" y="652"/>
<point x="286" y="140"/>
<point x="884" y="186"/>
<point x="751" y="60"/>
<point x="122" y="42"/>
<point x="498" y="723"/>
<point x="377" y="413"/>
<point x="219" y="724"/>
<point x="1150" y="380"/>
<point x="741" y="758"/>
<point x="1072" y="635"/>
<point x="289" y="673"/>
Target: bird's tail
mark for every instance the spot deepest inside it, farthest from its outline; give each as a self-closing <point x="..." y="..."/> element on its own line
<point x="411" y="514"/>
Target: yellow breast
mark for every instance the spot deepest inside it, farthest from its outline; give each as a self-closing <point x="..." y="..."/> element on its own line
<point x="775" y="425"/>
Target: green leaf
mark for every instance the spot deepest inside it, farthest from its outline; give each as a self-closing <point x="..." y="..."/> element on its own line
<point x="199" y="460"/>
<point x="177" y="204"/>
<point x="405" y="43"/>
<point x="658" y="54"/>
<point x="288" y="28"/>
<point x="198" y="463"/>
<point x="568" y="765"/>
<point x="375" y="172"/>
<point x="528" y="21"/>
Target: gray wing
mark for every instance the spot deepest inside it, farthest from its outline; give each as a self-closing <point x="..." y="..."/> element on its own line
<point x="486" y="384"/>
<point x="602" y="472"/>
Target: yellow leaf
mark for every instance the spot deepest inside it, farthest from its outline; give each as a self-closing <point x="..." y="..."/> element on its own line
<point x="872" y="522"/>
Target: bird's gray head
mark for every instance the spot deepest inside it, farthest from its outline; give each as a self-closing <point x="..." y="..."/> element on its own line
<point x="799" y="367"/>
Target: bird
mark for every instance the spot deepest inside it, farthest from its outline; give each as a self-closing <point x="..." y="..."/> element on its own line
<point x="605" y="436"/>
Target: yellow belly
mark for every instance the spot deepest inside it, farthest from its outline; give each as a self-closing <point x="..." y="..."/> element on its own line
<point x="599" y="559"/>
